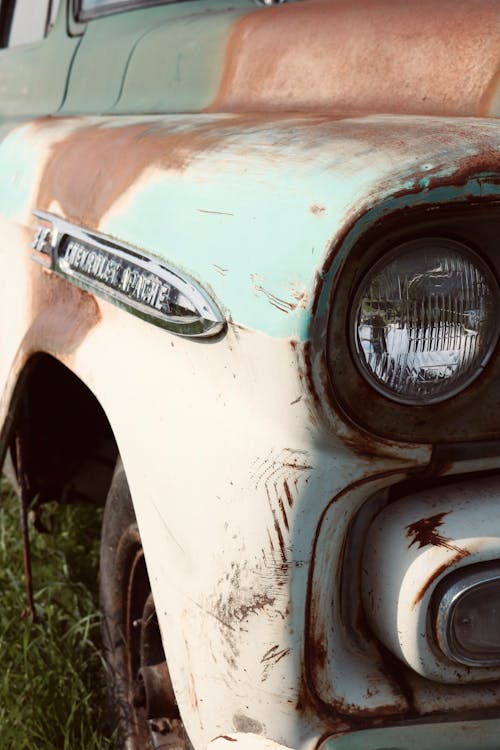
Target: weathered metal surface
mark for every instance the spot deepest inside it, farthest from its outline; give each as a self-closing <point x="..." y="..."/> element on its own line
<point x="338" y="663"/>
<point x="247" y="477"/>
<point x="290" y="165"/>
<point x="247" y="592"/>
<point x="391" y="56"/>
<point x="410" y="547"/>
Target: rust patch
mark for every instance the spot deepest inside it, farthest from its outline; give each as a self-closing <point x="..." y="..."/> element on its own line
<point x="317" y="210"/>
<point x="61" y="314"/>
<point x="236" y="601"/>
<point x="485" y="162"/>
<point x="425" y="532"/>
<point x="316" y="651"/>
<point x="86" y="171"/>
<point x="420" y="595"/>
<point x="402" y="58"/>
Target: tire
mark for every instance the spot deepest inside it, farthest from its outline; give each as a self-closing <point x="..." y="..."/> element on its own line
<point x="141" y="699"/>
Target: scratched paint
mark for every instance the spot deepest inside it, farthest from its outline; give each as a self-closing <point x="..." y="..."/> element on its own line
<point x="255" y="207"/>
<point x="282" y="178"/>
<point x="244" y="226"/>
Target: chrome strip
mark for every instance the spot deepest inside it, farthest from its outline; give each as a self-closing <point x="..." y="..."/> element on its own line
<point x="448" y="595"/>
<point x="126" y="276"/>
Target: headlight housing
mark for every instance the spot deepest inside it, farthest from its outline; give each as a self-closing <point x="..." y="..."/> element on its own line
<point x="467" y="606"/>
<point x="424" y="320"/>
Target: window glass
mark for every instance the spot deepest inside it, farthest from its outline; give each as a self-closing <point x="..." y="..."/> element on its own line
<point x="89" y="8"/>
<point x="31" y="21"/>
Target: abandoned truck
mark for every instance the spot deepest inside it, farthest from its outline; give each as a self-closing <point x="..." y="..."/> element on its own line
<point x="250" y="303"/>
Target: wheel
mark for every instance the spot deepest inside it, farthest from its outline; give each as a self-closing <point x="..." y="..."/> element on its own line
<point x="142" y="701"/>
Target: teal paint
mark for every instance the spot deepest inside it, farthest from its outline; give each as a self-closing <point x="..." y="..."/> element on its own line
<point x="177" y="65"/>
<point x="167" y="58"/>
<point x="18" y="167"/>
<point x="253" y="212"/>
<point x="33" y="76"/>
<point x="245" y="208"/>
<point x="481" y="186"/>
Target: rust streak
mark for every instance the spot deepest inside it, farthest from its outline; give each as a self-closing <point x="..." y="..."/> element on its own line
<point x="269" y="653"/>
<point x="425" y="532"/>
<point x="283" y="513"/>
<point x="437" y="573"/>
<point x="288" y="493"/>
<point x="280" y="538"/>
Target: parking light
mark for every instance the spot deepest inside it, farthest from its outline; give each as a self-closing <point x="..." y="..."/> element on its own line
<point x="467" y="615"/>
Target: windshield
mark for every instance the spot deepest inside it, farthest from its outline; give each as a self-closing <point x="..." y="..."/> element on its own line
<point x="90" y="8"/>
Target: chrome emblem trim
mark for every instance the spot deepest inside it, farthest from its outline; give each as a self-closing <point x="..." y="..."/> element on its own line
<point x="126" y="276"/>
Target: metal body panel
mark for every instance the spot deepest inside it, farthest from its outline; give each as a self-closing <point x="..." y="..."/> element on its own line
<point x="163" y="75"/>
<point x="33" y="76"/>
<point x="247" y="479"/>
<point x="187" y="171"/>
<point x="266" y="490"/>
<point x="242" y="57"/>
<point x="447" y="64"/>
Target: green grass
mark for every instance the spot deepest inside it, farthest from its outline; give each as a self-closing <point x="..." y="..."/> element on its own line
<point x="51" y="676"/>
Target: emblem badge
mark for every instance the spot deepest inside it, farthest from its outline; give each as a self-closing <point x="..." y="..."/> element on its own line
<point x="126" y="276"/>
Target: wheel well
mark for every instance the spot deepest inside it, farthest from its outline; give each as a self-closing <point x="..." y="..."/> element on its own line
<point x="68" y="448"/>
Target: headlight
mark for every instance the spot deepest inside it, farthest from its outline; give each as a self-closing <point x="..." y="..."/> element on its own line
<point x="425" y="320"/>
<point x="467" y="616"/>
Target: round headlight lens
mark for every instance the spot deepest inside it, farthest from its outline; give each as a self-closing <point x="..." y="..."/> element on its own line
<point x="425" y="320"/>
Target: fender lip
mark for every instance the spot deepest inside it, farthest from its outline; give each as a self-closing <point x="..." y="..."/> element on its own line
<point x="126" y="276"/>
